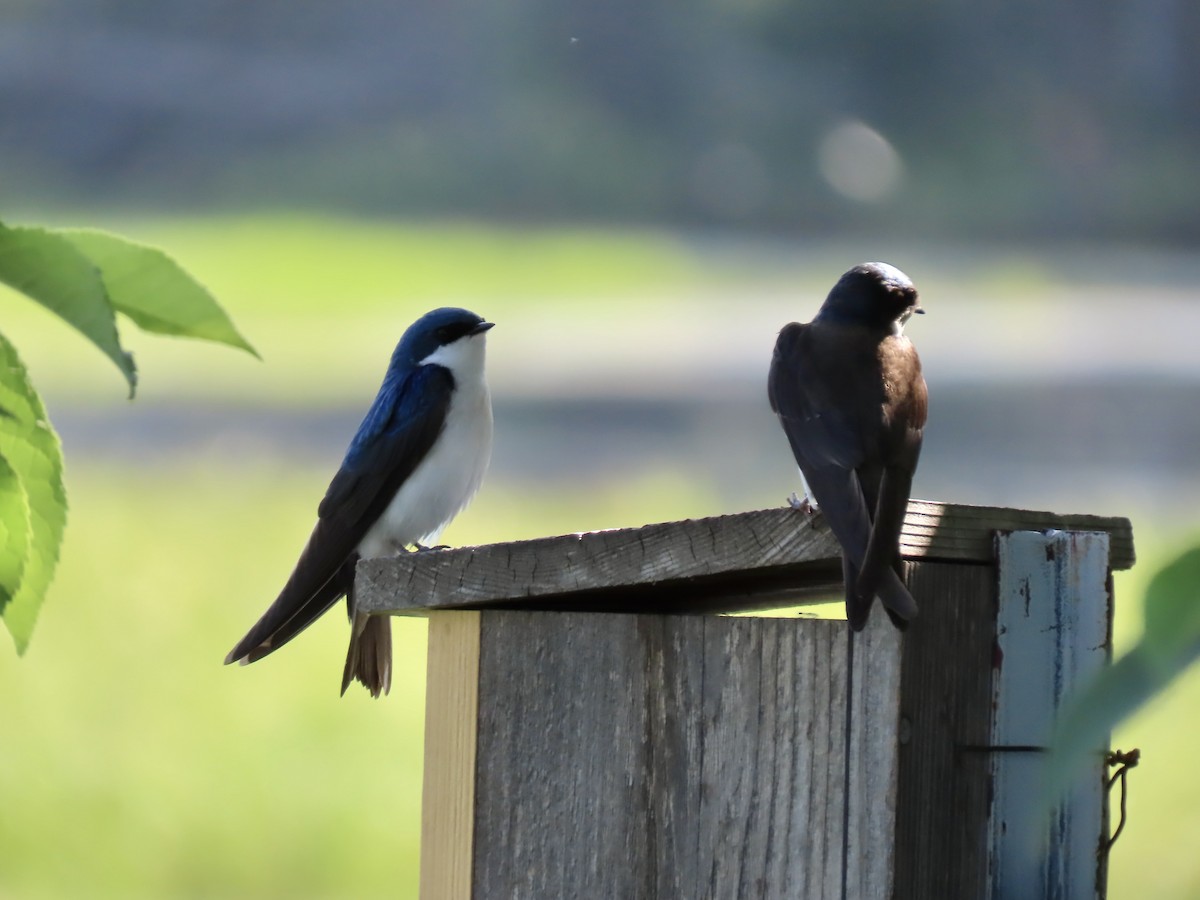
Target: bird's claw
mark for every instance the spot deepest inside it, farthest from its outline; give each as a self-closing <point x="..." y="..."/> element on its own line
<point x="421" y="548"/>
<point x="805" y="506"/>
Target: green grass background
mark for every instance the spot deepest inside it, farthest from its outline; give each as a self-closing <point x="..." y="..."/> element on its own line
<point x="132" y="764"/>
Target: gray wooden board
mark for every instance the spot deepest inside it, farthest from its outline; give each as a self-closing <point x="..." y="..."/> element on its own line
<point x="771" y="557"/>
<point x="678" y="757"/>
<point x="873" y="758"/>
<point x="945" y="716"/>
<point x="1053" y="634"/>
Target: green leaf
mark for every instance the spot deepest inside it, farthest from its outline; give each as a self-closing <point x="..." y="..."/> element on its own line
<point x="1170" y="643"/>
<point x="1173" y="614"/>
<point x="155" y="291"/>
<point x="48" y="268"/>
<point x="14" y="532"/>
<point x="1088" y="719"/>
<point x="32" y="451"/>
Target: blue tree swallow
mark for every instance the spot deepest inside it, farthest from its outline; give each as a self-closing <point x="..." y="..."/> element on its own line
<point x="850" y="395"/>
<point x="417" y="459"/>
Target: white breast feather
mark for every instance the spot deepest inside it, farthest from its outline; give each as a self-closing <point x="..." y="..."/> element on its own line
<point x="446" y="480"/>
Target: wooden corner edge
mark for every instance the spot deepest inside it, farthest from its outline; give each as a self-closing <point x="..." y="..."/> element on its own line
<point x="451" y="726"/>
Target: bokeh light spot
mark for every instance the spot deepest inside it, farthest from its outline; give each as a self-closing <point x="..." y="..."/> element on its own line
<point x="859" y="162"/>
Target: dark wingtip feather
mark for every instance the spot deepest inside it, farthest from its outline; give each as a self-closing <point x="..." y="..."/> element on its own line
<point x="292" y="612"/>
<point x="858" y="613"/>
<point x="894" y="597"/>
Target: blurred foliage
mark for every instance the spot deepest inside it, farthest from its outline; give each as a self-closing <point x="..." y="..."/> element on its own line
<point x="34" y="505"/>
<point x="1151" y="857"/>
<point x="1170" y="643"/>
<point x="85" y="278"/>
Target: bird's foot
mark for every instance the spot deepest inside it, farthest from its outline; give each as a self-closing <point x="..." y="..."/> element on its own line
<point x="805" y="506"/>
<point x="421" y="548"/>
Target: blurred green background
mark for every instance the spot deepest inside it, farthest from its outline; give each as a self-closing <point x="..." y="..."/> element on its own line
<point x="639" y="196"/>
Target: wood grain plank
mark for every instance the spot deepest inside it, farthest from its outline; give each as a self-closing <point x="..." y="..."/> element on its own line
<point x="668" y="756"/>
<point x="942" y="799"/>
<point x="761" y="558"/>
<point x="448" y="793"/>
<point x="873" y="757"/>
<point x="1053" y="634"/>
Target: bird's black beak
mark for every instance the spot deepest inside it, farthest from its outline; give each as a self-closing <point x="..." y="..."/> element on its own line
<point x="481" y="328"/>
<point x="918" y="311"/>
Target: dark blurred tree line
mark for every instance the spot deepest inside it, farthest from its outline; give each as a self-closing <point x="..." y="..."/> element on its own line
<point x="1013" y="119"/>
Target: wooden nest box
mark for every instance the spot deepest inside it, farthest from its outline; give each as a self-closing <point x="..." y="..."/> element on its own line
<point x="595" y="728"/>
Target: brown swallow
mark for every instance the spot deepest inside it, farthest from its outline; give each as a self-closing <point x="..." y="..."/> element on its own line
<point x="850" y="395"/>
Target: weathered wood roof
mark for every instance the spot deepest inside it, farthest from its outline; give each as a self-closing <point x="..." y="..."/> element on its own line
<point x="760" y="559"/>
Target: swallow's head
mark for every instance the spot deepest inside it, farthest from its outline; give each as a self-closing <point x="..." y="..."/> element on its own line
<point x="872" y="294"/>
